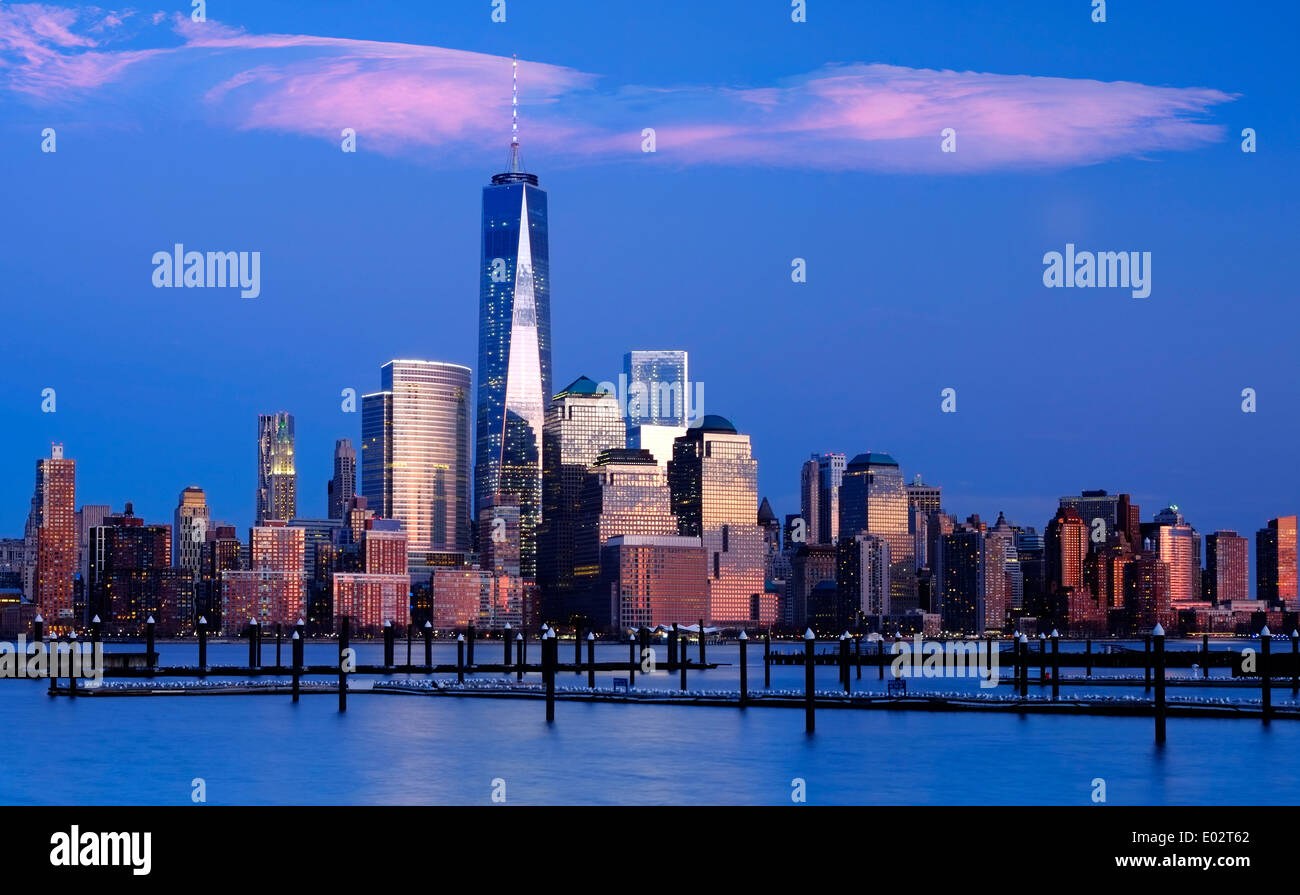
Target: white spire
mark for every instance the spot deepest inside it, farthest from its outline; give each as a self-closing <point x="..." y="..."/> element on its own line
<point x="514" y="117"/>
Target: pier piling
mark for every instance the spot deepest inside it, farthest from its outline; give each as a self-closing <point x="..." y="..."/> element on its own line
<point x="1159" y="633"/>
<point x="1205" y="655"/>
<point x="428" y="646"/>
<point x="388" y="644"/>
<point x="1265" y="673"/>
<point x="857" y="653"/>
<point x="672" y="649"/>
<point x="631" y="659"/>
<point x="702" y="662"/>
<point x="519" y="654"/>
<point x="844" y="662"/>
<point x="681" y="664"/>
<point x="277" y="646"/>
<point x="149" y="627"/>
<point x="460" y="658"/>
<point x="1146" y="662"/>
<point x="252" y="643"/>
<point x="1295" y="662"/>
<point x="743" y="640"/>
<point x="469" y="647"/>
<point x="296" y="654"/>
<point x="1087" y="652"/>
<point x="577" y="650"/>
<point x="809" y="681"/>
<point x="767" y="661"/>
<point x="203" y="644"/>
<point x="1056" y="665"/>
<point x="591" y="660"/>
<point x="343" y="669"/>
<point x="550" y="647"/>
<point x="505" y="646"/>
<point x="1024" y="665"/>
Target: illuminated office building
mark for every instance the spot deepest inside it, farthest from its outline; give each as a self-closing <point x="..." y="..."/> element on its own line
<point x="277" y="478"/>
<point x="874" y="500"/>
<point x="514" y="349"/>
<point x="273" y="588"/>
<point x="1178" y="546"/>
<point x="415" y="454"/>
<point x="714" y="481"/>
<point x="653" y="580"/>
<point x="1275" y="561"/>
<point x="53" y="540"/>
<point x="581" y="424"/>
<point x="343" y="484"/>
<point x="1227" y="567"/>
<point x="190" y="530"/>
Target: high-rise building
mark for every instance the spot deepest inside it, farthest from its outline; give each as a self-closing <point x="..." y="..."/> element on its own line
<point x="1031" y="548"/>
<point x="874" y="500"/>
<point x="514" y="347"/>
<point x="658" y="389"/>
<point x="1275" y="561"/>
<point x="862" y="579"/>
<point x="221" y="554"/>
<point x="809" y="503"/>
<point x="714" y="480"/>
<point x="272" y="588"/>
<point x="1227" y="567"/>
<point x="89" y="516"/>
<point x="1065" y="545"/>
<point x="52" y="533"/>
<point x="1146" y="591"/>
<point x="381" y="592"/>
<point x="415" y="454"/>
<point x="653" y="580"/>
<point x="658" y="440"/>
<point x="343" y="484"/>
<point x="964" y="581"/>
<point x="830" y="474"/>
<point x="1097" y="505"/>
<point x="1005" y="531"/>
<point x="190" y="530"/>
<point x="1178" y="546"/>
<point x="922" y="500"/>
<point x="132" y="578"/>
<point x="625" y="492"/>
<point x="277" y="476"/>
<point x="581" y="423"/>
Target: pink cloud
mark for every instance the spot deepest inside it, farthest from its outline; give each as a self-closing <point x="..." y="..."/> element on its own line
<point x="406" y="99"/>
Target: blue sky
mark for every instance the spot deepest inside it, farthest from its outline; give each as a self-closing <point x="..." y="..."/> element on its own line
<point x="920" y="277"/>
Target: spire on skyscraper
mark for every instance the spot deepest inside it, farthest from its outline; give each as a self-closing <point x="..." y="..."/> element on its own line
<point x="515" y="165"/>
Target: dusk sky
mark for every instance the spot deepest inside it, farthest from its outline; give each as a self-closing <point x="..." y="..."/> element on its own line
<point x="817" y="140"/>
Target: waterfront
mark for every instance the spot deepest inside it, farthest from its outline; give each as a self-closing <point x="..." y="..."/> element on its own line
<point x="411" y="750"/>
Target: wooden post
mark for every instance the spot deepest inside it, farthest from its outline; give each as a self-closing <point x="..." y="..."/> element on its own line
<point x="1088" y="656"/>
<point x="38" y="629"/>
<point x="1205" y="655"/>
<point x="149" y="626"/>
<point x="505" y="645"/>
<point x="857" y="653"/>
<point x="681" y="665"/>
<point x="1056" y="665"/>
<point x="343" y="674"/>
<point x="767" y="660"/>
<point x="1146" y="662"/>
<point x="1042" y="660"/>
<point x="72" y="662"/>
<point x="702" y="662"/>
<point x="1265" y="673"/>
<point x="519" y="654"/>
<point x="844" y="661"/>
<point x="1024" y="665"/>
<point x="388" y="644"/>
<point x="631" y="659"/>
<point x="743" y="639"/>
<point x="301" y="630"/>
<point x="591" y="660"/>
<point x="277" y="646"/>
<point x="252" y="643"/>
<point x="96" y="628"/>
<point x="577" y="650"/>
<point x="460" y="658"/>
<point x="1159" y="633"/>
<point x="469" y="651"/>
<point x="258" y="653"/>
<point x="203" y="644"/>
<point x="809" y="681"/>
<point x="296" y="651"/>
<point x="672" y="649"/>
<point x="428" y="646"/>
<point x="880" y="658"/>
<point x="550" y="647"/>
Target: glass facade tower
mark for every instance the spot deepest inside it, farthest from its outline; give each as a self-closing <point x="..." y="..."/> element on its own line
<point x="514" y="356"/>
<point x="415" y="453"/>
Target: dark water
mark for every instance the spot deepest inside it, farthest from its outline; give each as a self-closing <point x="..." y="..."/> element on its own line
<point x="425" y="750"/>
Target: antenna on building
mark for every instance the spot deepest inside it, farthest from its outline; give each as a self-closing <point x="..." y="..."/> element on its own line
<point x="514" y="116"/>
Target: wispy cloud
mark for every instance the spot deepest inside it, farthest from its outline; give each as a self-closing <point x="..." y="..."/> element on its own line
<point x="406" y="99"/>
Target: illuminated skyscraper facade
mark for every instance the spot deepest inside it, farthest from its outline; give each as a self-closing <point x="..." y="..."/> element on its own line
<point x="53" y="533"/>
<point x="1275" y="560"/>
<point x="714" y="480"/>
<point x="873" y="500"/>
<point x="581" y="424"/>
<point x="415" y="454"/>
<point x="657" y="387"/>
<point x="343" y="484"/>
<point x="514" y="350"/>
<point x="1227" y="569"/>
<point x="1177" y="545"/>
<point x="190" y="530"/>
<point x="277" y="478"/>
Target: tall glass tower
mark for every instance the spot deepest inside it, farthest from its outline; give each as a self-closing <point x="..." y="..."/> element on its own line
<point x="277" y="478"/>
<point x="514" y="348"/>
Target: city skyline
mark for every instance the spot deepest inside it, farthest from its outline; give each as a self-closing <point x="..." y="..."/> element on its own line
<point x="990" y="333"/>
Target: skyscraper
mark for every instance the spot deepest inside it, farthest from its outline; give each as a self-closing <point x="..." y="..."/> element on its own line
<point x="830" y="474"/>
<point x="581" y="423"/>
<point x="53" y="528"/>
<point x="343" y="484"/>
<point x="514" y="348"/>
<point x="415" y="454"/>
<point x="873" y="500"/>
<point x="1275" y="560"/>
<point x="657" y="388"/>
<point x="714" y="480"/>
<point x="190" y="530"/>
<point x="1226" y="567"/>
<point x="1177" y="545"/>
<point x="132" y="578"/>
<point x="277" y="478"/>
<point x="809" y="504"/>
